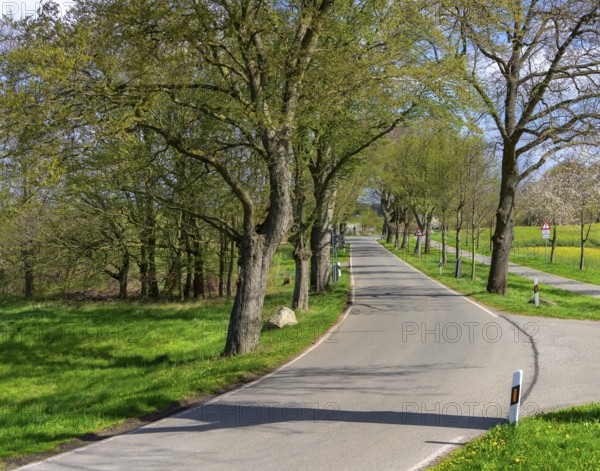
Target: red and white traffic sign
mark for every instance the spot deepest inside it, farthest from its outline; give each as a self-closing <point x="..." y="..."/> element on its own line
<point x="418" y="232"/>
<point x="545" y="230"/>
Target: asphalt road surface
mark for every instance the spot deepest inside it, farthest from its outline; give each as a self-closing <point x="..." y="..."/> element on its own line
<point x="413" y="371"/>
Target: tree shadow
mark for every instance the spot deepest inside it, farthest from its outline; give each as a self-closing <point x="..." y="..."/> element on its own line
<point x="243" y="415"/>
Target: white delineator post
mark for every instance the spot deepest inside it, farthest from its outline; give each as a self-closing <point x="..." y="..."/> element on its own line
<point x="515" y="397"/>
<point x="536" y="293"/>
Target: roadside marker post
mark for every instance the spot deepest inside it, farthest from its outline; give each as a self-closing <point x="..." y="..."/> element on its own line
<point x="536" y="293"/>
<point x="515" y="397"/>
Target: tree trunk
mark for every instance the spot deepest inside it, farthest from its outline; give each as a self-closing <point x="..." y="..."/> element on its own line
<point x="143" y="266"/>
<point x="389" y="235"/>
<point x="503" y="235"/>
<point x="444" y="249"/>
<point x="257" y="247"/>
<point x="124" y="277"/>
<point x="473" y="254"/>
<point x="189" y="270"/>
<point x="302" y="256"/>
<point x="390" y="226"/>
<point x="553" y="241"/>
<point x="320" y="243"/>
<point x="27" y="255"/>
<point x="582" y="252"/>
<point x="230" y="269"/>
<point x="418" y="245"/>
<point x="153" y="290"/>
<point x="405" y="234"/>
<point x="428" y="230"/>
<point x="173" y="274"/>
<point x="459" y="222"/>
<point x="198" y="283"/>
<point x="222" y="263"/>
<point x="397" y="221"/>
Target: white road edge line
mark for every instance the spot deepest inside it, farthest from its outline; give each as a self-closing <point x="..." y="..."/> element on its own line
<point x="220" y="397"/>
<point x="440" y="284"/>
<point x="433" y="457"/>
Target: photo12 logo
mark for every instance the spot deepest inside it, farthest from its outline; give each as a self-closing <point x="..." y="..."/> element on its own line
<point x="19" y="10"/>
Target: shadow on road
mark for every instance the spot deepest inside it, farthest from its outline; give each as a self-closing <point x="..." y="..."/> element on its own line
<point x="232" y="416"/>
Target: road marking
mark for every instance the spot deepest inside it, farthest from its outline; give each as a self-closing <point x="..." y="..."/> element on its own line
<point x="433" y="457"/>
<point x="440" y="284"/>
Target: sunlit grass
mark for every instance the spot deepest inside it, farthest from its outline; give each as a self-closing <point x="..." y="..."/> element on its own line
<point x="561" y="440"/>
<point x="70" y="369"/>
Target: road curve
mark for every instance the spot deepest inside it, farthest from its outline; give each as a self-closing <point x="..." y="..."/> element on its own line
<point x="412" y="371"/>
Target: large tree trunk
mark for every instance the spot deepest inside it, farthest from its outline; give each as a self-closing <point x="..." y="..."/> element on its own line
<point x="388" y="217"/>
<point x="389" y="236"/>
<point x="503" y="235"/>
<point x="320" y="242"/>
<point x="246" y="315"/>
<point x="257" y="247"/>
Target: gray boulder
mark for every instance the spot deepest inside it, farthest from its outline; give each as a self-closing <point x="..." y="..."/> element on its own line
<point x="285" y="316"/>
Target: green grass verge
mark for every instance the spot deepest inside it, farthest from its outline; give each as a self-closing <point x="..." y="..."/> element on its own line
<point x="71" y="369"/>
<point x="569" y="305"/>
<point x="561" y="440"/>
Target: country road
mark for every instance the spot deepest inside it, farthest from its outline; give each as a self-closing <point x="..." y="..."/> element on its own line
<point x="412" y="371"/>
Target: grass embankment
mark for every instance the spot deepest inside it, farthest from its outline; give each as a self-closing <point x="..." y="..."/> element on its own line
<point x="71" y="369"/>
<point x="529" y="250"/>
<point x="520" y="290"/>
<point x="565" y="440"/>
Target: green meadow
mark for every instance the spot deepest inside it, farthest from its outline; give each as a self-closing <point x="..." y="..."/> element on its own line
<point x="70" y="369"/>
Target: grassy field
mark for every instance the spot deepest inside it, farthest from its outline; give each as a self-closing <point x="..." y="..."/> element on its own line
<point x="71" y="369"/>
<point x="561" y="440"/>
<point x="529" y="250"/>
<point x="568" y="305"/>
<point x="566" y="236"/>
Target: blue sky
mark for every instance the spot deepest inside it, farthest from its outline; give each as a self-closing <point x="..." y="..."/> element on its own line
<point x="18" y="9"/>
